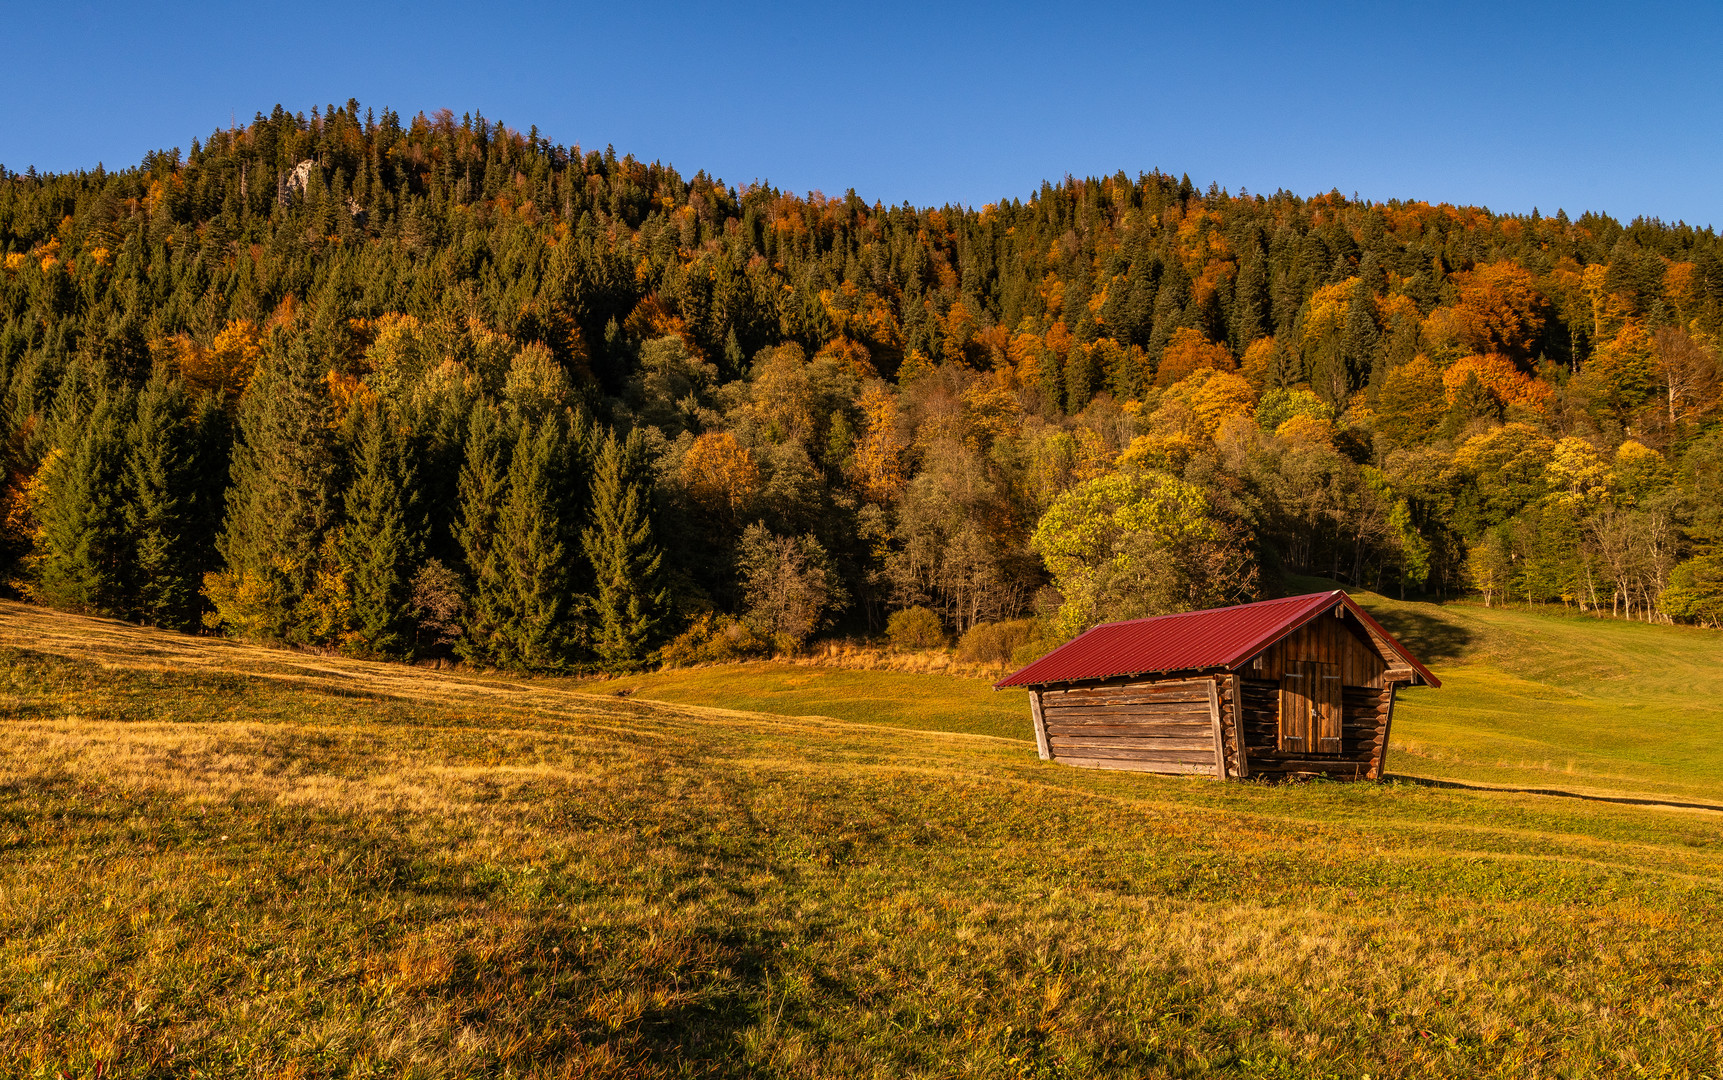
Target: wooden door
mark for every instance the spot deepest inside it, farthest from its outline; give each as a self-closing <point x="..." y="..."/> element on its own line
<point x="1310" y="708"/>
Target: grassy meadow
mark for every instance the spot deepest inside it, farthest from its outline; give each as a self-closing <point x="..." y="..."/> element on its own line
<point x="218" y="860"/>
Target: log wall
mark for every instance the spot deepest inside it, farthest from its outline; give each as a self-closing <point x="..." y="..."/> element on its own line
<point x="1164" y="727"/>
<point x="1363" y="732"/>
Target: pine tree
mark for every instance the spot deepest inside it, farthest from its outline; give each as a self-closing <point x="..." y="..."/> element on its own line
<point x="514" y="523"/>
<point x="483" y="486"/>
<point x="161" y="499"/>
<point x="624" y="559"/>
<point x="84" y="550"/>
<point x="380" y="541"/>
<point x="280" y="503"/>
<point x="1250" y="302"/>
<point x="534" y="600"/>
<point x="1361" y="334"/>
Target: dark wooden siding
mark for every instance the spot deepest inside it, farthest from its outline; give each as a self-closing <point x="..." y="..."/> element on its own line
<point x="1325" y="640"/>
<point x="1363" y="717"/>
<point x="1164" y="727"/>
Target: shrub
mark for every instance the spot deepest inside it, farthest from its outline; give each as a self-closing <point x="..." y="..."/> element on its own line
<point x="714" y="638"/>
<point x="997" y="643"/>
<point x="915" y="628"/>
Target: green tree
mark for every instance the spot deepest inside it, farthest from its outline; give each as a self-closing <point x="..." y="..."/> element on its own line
<point x="281" y="502"/>
<point x="84" y="548"/>
<point x="1133" y="544"/>
<point x="626" y="600"/>
<point x="1695" y="591"/>
<point x="789" y="584"/>
<point x="380" y="539"/>
<point x="161" y="504"/>
<point x="513" y="523"/>
<point x="482" y="491"/>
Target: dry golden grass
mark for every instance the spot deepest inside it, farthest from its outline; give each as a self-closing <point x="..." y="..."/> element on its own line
<point x="228" y="861"/>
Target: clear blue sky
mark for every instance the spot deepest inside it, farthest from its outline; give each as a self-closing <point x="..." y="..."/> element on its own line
<point x="1512" y="106"/>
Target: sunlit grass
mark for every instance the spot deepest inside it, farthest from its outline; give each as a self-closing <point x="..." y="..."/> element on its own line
<point x="900" y="699"/>
<point x="339" y="869"/>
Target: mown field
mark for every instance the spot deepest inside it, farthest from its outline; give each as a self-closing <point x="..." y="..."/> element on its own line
<point x="1529" y="699"/>
<point x="223" y="861"/>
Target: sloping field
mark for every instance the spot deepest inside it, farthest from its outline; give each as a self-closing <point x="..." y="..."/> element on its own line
<point x="241" y="862"/>
<point x="1576" y="703"/>
<point x="1529" y="699"/>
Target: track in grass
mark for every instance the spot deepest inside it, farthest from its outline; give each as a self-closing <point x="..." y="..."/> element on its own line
<point x="243" y="862"/>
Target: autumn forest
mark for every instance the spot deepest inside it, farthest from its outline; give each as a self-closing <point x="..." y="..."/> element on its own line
<point x="440" y="388"/>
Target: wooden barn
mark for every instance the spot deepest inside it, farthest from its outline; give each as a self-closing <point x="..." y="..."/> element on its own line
<point x="1302" y="685"/>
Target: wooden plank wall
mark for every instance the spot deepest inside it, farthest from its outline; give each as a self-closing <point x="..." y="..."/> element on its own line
<point x="1363" y="718"/>
<point x="1327" y="640"/>
<point x="1164" y="727"/>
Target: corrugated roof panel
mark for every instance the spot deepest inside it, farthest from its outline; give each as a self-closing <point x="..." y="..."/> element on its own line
<point x="1193" y="640"/>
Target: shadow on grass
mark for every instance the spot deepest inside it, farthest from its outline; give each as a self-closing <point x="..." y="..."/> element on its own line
<point x="1627" y="800"/>
<point x="1430" y="637"/>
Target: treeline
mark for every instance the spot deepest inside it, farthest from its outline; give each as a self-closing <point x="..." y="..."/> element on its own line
<point x="438" y="386"/>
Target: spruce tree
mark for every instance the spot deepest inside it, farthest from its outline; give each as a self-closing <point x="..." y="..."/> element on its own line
<point x="281" y="500"/>
<point x="84" y="553"/>
<point x="514" y="523"/>
<point x="625" y="561"/>
<point x="1361" y="334"/>
<point x="483" y="486"/>
<point x="161" y="500"/>
<point x="380" y="540"/>
<point x="1250" y="302"/>
<point x="536" y="600"/>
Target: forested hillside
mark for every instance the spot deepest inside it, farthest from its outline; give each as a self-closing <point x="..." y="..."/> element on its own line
<point x="439" y="386"/>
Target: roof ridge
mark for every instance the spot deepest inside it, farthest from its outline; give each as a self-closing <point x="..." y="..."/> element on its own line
<point x="1212" y="610"/>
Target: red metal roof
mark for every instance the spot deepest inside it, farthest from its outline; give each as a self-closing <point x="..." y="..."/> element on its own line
<point x="1193" y="641"/>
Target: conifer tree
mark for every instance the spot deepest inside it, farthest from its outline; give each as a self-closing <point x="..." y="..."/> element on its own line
<point x="380" y="541"/>
<point x="280" y="503"/>
<point x="83" y="545"/>
<point x="161" y="500"/>
<point x="625" y="561"/>
<point x="535" y="598"/>
<point x="1361" y="333"/>
<point x="1250" y="302"/>
<point x="514" y="521"/>
<point x="483" y="486"/>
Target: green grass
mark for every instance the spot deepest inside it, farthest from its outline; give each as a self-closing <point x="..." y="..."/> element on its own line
<point x="1542" y="699"/>
<point x="898" y="699"/>
<point x="1529" y="699"/>
<point x="219" y="861"/>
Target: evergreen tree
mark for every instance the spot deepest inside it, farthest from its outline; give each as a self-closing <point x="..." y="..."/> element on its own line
<point x="280" y="503"/>
<point x="84" y="548"/>
<point x="514" y="521"/>
<point x="380" y="541"/>
<point x="1361" y="334"/>
<point x="534" y="599"/>
<point x="161" y="501"/>
<point x="624" y="559"/>
<point x="1250" y="302"/>
<point x="483" y="486"/>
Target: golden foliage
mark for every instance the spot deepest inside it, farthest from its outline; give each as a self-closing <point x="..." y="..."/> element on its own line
<point x="880" y="466"/>
<point x="850" y="355"/>
<point x="720" y="475"/>
<point x="1499" y="308"/>
<point x="1199" y="404"/>
<point x="1308" y="432"/>
<point x="1189" y="351"/>
<point x="1168" y="452"/>
<point x="1508" y="383"/>
<point x="223" y="368"/>
<point x="1255" y="366"/>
